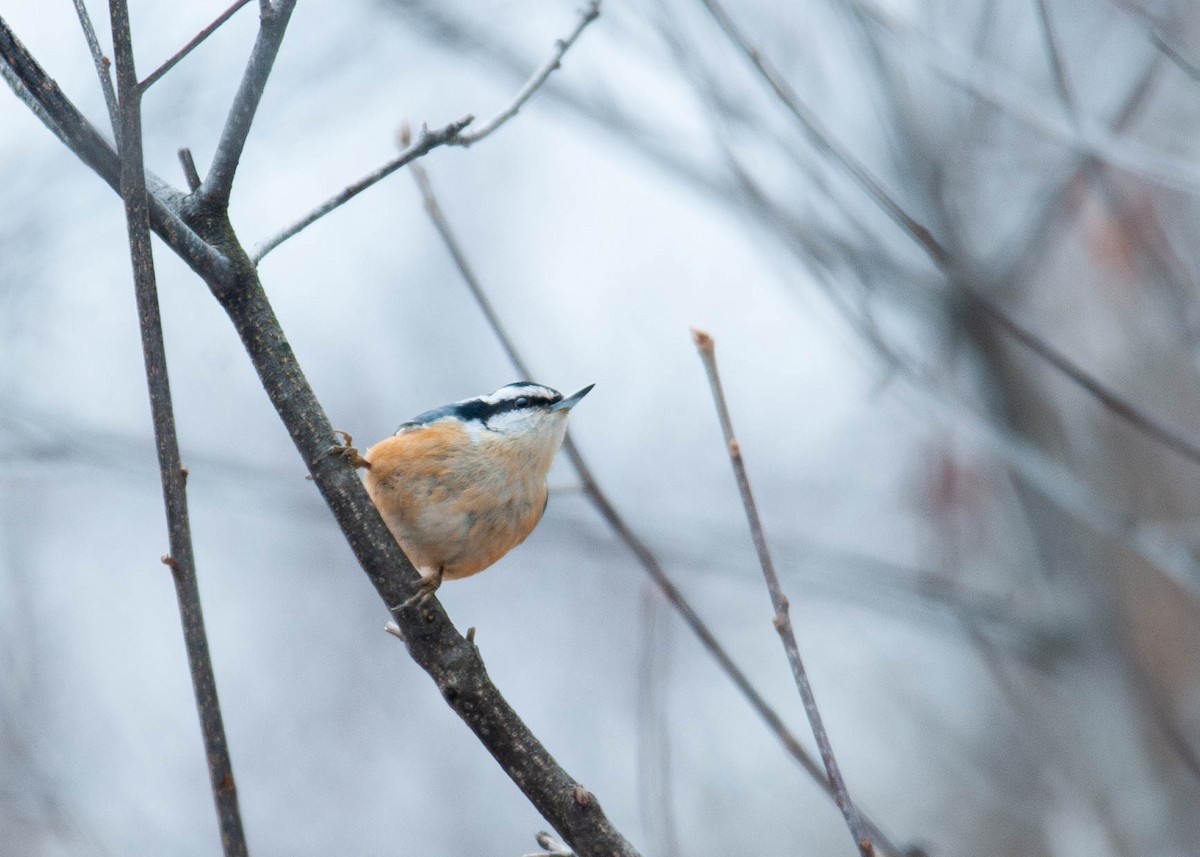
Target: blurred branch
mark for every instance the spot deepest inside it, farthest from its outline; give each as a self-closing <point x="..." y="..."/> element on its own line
<point x="181" y="559"/>
<point x="1181" y="442"/>
<point x="1171" y="437"/>
<point x="822" y="140"/>
<point x="1061" y="80"/>
<point x="655" y="794"/>
<point x="783" y="624"/>
<point x="1078" y="499"/>
<point x="450" y="135"/>
<point x="1185" y="65"/>
<point x="154" y="76"/>
<point x="996" y="88"/>
<point x="616" y="521"/>
<point x="217" y="184"/>
<point x="100" y="61"/>
<point x="1066" y="490"/>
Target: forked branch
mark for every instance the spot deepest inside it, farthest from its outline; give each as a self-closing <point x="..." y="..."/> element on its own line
<point x="214" y="191"/>
<point x="450" y="135"/>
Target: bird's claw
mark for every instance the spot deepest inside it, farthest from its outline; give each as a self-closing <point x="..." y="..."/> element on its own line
<point x="347" y="451"/>
<point x="428" y="586"/>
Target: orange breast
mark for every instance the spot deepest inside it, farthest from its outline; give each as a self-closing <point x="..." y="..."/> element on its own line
<point x="453" y="501"/>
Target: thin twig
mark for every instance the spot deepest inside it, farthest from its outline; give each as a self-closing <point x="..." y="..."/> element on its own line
<point x="154" y="76"/>
<point x="590" y="13"/>
<point x="215" y="190"/>
<point x="645" y="557"/>
<point x="783" y="623"/>
<point x="100" y="61"/>
<point x="426" y="141"/>
<point x="450" y="135"/>
<point x="181" y="559"/>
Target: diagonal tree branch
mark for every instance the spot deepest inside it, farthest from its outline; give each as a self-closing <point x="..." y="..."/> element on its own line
<point x="181" y="559"/>
<point x="590" y="13"/>
<point x="217" y="184"/>
<point x="426" y="141"/>
<point x="783" y="624"/>
<point x="100" y="61"/>
<point x="451" y="661"/>
<point x="616" y="521"/>
<point x="154" y="76"/>
<point x="450" y="135"/>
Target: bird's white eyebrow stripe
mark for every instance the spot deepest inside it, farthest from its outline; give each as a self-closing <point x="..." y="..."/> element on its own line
<point x="513" y="392"/>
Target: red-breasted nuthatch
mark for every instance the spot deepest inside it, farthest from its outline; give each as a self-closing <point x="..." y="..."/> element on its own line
<point x="462" y="485"/>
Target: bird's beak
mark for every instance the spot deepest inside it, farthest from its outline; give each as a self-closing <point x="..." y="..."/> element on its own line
<point x="572" y="400"/>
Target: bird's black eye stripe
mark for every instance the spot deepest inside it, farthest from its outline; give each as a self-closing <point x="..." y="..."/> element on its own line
<point x="489" y="410"/>
<point x="482" y="410"/>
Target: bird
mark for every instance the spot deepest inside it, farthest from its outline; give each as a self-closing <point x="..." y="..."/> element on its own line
<point x="461" y="485"/>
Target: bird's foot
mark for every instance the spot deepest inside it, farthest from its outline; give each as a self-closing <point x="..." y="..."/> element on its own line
<point x="428" y="586"/>
<point x="347" y="451"/>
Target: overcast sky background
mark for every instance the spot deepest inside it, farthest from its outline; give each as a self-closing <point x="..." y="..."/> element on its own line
<point x="881" y="472"/>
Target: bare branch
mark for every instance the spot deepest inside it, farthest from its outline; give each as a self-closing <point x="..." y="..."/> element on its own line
<point x="783" y="623"/>
<point x="426" y="141"/>
<point x="823" y="140"/>
<point x="590" y="13"/>
<point x="34" y="86"/>
<point x="1171" y="437"/>
<point x="1057" y="65"/>
<point x="1175" y="439"/>
<point x="219" y="181"/>
<point x="188" y="163"/>
<point x="621" y="528"/>
<point x="100" y="61"/>
<point x="154" y="76"/>
<point x="181" y="559"/>
<point x="450" y="135"/>
<point x="453" y="662"/>
<point x="21" y="90"/>
<point x="1186" y="66"/>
